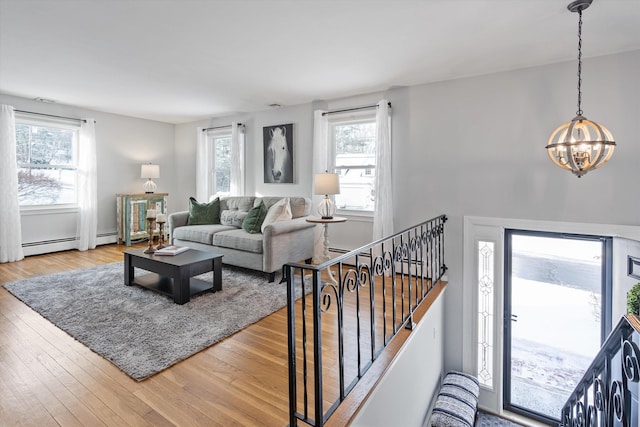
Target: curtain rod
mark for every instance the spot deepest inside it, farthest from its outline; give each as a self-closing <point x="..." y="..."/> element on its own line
<point x="51" y="115"/>
<point x="366" y="107"/>
<point x="220" y="127"/>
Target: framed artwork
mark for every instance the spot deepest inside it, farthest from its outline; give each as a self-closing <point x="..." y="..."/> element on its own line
<point x="633" y="267"/>
<point x="278" y="154"/>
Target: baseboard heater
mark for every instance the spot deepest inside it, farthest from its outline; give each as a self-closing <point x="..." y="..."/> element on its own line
<point x="63" y="240"/>
<point x="49" y="242"/>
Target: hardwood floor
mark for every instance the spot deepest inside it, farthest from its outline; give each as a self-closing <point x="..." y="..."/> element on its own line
<point x="48" y="379"/>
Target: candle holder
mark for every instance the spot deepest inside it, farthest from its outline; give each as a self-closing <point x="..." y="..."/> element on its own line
<point x="161" y="242"/>
<point x="150" y="249"/>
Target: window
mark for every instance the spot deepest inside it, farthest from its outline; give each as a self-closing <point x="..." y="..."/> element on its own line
<point x="485" y="253"/>
<point x="221" y="162"/>
<point x="354" y="139"/>
<point x="47" y="162"/>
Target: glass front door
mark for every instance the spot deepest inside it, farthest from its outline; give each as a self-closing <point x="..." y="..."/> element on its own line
<point x="556" y="316"/>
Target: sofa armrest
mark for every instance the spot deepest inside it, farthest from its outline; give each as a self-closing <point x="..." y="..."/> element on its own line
<point x="283" y="227"/>
<point x="175" y="220"/>
<point x="287" y="241"/>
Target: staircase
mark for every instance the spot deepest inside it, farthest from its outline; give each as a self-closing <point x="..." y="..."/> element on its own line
<point x="607" y="395"/>
<point x="350" y="317"/>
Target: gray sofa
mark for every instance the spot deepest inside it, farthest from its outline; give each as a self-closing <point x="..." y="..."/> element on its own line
<point x="279" y="243"/>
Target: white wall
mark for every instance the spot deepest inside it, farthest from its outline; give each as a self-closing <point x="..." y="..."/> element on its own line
<point x="123" y="144"/>
<point x="622" y="283"/>
<point x="476" y="147"/>
<point x="302" y="118"/>
<point x="403" y="396"/>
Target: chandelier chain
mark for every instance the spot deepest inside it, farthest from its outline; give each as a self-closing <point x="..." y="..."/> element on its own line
<point x="579" y="112"/>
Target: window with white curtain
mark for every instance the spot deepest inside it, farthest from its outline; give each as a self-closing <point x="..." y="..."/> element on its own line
<point x="220" y="149"/>
<point x="354" y="139"/>
<point x="47" y="158"/>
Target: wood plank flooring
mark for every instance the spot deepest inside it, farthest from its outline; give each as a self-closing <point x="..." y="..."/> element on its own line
<point x="49" y="379"/>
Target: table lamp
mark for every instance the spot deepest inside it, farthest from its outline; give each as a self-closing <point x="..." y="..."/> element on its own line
<point x="326" y="183"/>
<point x="150" y="171"/>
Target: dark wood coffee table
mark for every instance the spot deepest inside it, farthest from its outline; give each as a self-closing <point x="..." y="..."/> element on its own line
<point x="172" y="275"/>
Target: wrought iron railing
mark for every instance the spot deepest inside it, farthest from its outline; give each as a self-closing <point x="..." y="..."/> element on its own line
<point x="337" y="327"/>
<point x="607" y="394"/>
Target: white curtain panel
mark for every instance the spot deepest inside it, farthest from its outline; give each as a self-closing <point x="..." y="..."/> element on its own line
<point x="237" y="160"/>
<point x="323" y="160"/>
<point x="383" y="208"/>
<point x="87" y="184"/>
<point x="10" y="226"/>
<point x="202" y="167"/>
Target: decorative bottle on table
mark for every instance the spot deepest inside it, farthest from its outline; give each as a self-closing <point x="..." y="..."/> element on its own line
<point x="151" y="218"/>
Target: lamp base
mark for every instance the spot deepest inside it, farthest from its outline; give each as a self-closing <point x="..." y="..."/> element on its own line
<point x="326" y="208"/>
<point x="149" y="186"/>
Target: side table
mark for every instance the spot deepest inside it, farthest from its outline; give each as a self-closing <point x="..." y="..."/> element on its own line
<point x="325" y="252"/>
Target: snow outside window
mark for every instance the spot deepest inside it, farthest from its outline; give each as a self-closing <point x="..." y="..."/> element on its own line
<point x="47" y="157"/>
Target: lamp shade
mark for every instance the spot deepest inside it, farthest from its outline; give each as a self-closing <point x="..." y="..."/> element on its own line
<point x="326" y="183"/>
<point x="150" y="171"/>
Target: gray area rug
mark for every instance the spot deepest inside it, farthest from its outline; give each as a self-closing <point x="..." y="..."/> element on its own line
<point x="140" y="331"/>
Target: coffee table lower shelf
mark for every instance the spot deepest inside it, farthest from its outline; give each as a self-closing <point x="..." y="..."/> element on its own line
<point x="164" y="284"/>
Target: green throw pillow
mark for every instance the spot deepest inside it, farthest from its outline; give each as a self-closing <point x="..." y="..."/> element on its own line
<point x="204" y="213"/>
<point x="254" y="219"/>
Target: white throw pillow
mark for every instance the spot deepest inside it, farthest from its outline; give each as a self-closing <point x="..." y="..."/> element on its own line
<point x="279" y="211"/>
<point x="232" y="217"/>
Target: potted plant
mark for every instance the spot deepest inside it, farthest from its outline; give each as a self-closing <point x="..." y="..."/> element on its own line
<point x="633" y="300"/>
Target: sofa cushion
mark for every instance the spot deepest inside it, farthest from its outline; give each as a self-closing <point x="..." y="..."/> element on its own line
<point x="239" y="239"/>
<point x="237" y="203"/>
<point x="300" y="206"/>
<point x="233" y="218"/>
<point x="255" y="217"/>
<point x="203" y="213"/>
<point x="280" y="211"/>
<point x="199" y="233"/>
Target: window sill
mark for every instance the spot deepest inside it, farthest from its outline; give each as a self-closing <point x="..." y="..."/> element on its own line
<point x="353" y="215"/>
<point x="48" y="210"/>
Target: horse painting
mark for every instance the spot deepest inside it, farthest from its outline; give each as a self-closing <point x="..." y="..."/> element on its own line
<point x="278" y="156"/>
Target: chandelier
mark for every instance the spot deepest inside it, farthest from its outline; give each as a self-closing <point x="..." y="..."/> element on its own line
<point x="580" y="145"/>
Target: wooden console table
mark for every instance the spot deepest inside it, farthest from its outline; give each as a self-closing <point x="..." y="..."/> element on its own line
<point x="132" y="214"/>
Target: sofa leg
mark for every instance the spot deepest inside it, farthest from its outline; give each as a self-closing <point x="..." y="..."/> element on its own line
<point x="271" y="277"/>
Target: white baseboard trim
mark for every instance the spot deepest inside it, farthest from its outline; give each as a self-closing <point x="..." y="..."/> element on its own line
<point x="39" y="248"/>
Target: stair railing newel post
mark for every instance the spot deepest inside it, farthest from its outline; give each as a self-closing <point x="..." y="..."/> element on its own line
<point x="291" y="340"/>
<point x="317" y="351"/>
<point x="370" y="277"/>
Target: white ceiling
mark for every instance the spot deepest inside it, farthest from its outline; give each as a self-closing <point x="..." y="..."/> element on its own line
<point x="183" y="60"/>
